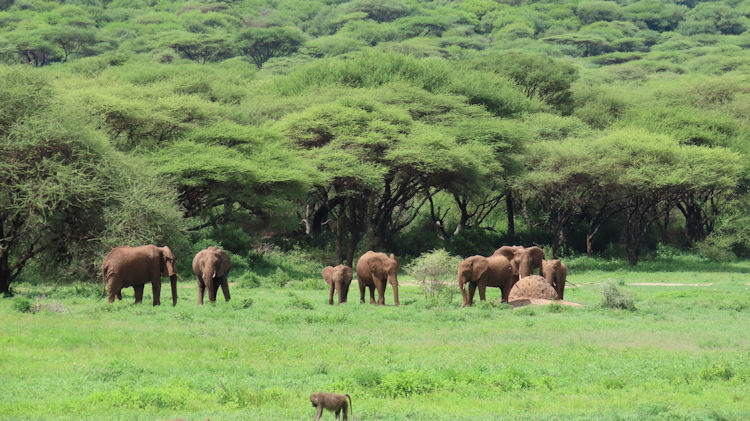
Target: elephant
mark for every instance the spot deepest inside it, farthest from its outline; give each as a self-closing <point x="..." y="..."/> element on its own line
<point x="373" y="271"/>
<point x="523" y="259"/>
<point x="135" y="266"/>
<point x="555" y="272"/>
<point x="483" y="272"/>
<point x="338" y="278"/>
<point x="211" y="266"/>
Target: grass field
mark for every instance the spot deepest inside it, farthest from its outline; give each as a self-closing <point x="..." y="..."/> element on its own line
<point x="683" y="353"/>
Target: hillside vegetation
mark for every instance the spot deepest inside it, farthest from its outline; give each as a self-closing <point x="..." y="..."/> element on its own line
<point x="600" y="127"/>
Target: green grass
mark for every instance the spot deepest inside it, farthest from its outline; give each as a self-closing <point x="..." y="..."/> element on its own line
<point x="682" y="354"/>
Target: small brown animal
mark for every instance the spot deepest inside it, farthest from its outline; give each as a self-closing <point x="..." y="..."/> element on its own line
<point x="332" y="402"/>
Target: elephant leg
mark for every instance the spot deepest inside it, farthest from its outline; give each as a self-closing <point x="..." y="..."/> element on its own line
<point x="338" y="289"/>
<point x="472" y="289"/>
<point x="201" y="291"/>
<point x="381" y="294"/>
<point x="118" y="294"/>
<point x="225" y="288"/>
<point x="344" y="293"/>
<point x="372" y="294"/>
<point x="111" y="293"/>
<point x="482" y="292"/>
<point x="331" y="288"/>
<point x="156" y="287"/>
<point x="138" y="289"/>
<point x="212" y="288"/>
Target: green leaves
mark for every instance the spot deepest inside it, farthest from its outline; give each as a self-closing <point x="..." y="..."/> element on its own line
<point x="260" y="44"/>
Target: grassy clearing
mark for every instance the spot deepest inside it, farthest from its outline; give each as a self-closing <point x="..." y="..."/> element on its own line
<point x="682" y="354"/>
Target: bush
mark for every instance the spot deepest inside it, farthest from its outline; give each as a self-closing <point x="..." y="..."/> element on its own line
<point x="248" y="280"/>
<point x="436" y="273"/>
<point x="244" y="303"/>
<point x="301" y="303"/>
<point x="615" y="298"/>
<point x="22" y="305"/>
<point x="407" y="383"/>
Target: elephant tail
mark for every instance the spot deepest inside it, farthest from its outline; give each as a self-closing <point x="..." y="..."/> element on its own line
<point x="104" y="282"/>
<point x="351" y="409"/>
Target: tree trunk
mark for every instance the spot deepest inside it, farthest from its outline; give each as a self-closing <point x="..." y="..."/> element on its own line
<point x="4" y="265"/>
<point x="634" y="251"/>
<point x="589" y="244"/>
<point x="4" y="272"/>
<point x="319" y="218"/>
<point x="510" y="213"/>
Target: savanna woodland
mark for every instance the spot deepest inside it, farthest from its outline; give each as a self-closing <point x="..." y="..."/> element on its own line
<point x="298" y="134"/>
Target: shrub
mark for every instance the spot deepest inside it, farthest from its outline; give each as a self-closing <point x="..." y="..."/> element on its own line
<point x="299" y="302"/>
<point x="716" y="372"/>
<point x="248" y="280"/>
<point x="22" y="305"/>
<point x="436" y="272"/>
<point x="614" y="297"/>
<point x="407" y="383"/>
<point x="244" y="303"/>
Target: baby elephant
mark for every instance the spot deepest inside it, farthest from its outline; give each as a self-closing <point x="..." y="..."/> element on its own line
<point x="338" y="278"/>
<point x="332" y="402"/>
<point x="555" y="272"/>
<point x="211" y="266"/>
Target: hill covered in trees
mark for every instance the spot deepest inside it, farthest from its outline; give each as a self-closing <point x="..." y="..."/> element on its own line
<point x="595" y="126"/>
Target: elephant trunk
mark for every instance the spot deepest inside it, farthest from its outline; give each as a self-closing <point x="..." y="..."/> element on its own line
<point x="173" y="281"/>
<point x="395" y="293"/>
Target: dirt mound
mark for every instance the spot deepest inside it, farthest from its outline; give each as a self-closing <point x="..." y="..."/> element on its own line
<point x="532" y="287"/>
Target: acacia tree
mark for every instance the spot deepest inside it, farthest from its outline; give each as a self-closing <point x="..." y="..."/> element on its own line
<point x="60" y="183"/>
<point x="377" y="165"/>
<point x="261" y="44"/>
<point x="232" y="174"/>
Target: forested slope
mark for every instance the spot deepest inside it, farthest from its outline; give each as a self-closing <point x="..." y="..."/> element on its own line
<point x="596" y="126"/>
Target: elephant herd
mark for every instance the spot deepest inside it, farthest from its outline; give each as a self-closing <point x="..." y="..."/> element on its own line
<point x="504" y="268"/>
<point x="136" y="266"/>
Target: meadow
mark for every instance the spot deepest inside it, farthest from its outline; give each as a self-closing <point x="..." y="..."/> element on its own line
<point x="682" y="353"/>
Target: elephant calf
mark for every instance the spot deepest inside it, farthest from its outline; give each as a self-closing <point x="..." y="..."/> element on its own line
<point x="375" y="271"/>
<point x="211" y="266"/>
<point x="555" y="273"/>
<point x="338" y="279"/>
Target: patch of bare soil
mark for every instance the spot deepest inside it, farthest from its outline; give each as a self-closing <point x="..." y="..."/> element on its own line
<point x="668" y="284"/>
<point x="532" y="287"/>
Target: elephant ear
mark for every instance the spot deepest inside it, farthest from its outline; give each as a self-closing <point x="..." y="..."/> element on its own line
<point x="167" y="262"/>
<point x="504" y="251"/>
<point x="348" y="273"/>
<point x="536" y="253"/>
<point x="479" y="268"/>
<point x="327" y="273"/>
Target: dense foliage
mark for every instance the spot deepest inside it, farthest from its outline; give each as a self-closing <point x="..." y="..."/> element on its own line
<point x="592" y="126"/>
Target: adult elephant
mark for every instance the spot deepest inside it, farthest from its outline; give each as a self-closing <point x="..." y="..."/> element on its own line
<point x="373" y="271"/>
<point x="211" y="266"/>
<point x="135" y="266"/>
<point x="338" y="279"/>
<point x="555" y="273"/>
<point x="482" y="272"/>
<point x="524" y="260"/>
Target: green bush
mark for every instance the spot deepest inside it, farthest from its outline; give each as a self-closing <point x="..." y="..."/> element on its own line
<point x="615" y="298"/>
<point x="407" y="383"/>
<point x="22" y="305"/>
<point x="436" y="273"/>
<point x="301" y="303"/>
<point x="242" y="304"/>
